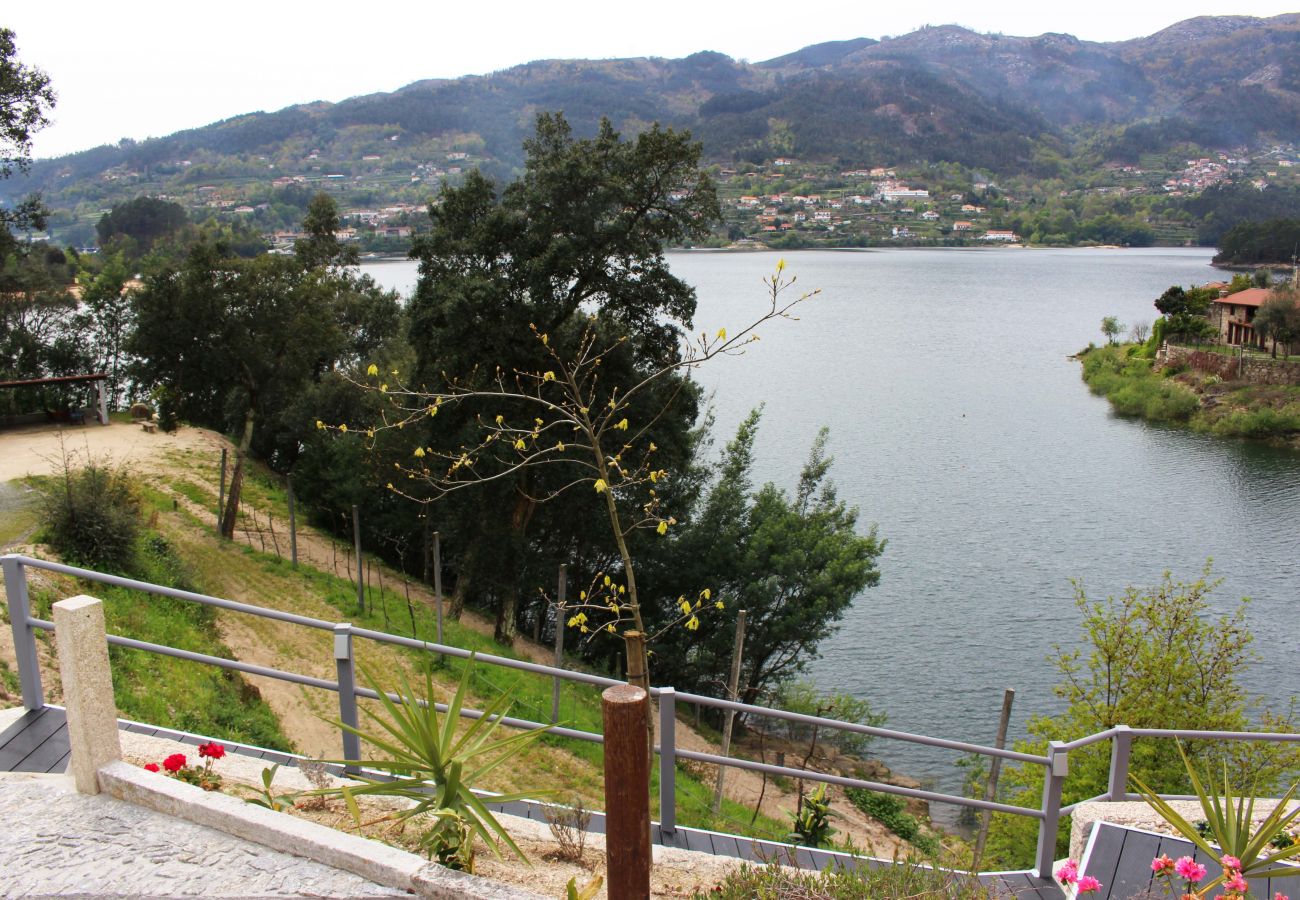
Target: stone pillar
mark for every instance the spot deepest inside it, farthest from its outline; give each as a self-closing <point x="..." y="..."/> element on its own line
<point x="87" y="688"/>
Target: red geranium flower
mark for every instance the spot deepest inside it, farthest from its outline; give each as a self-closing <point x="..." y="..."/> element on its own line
<point x="174" y="763"/>
<point x="212" y="750"/>
<point x="151" y="767"/>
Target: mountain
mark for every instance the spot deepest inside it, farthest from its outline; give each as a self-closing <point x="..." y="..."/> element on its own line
<point x="1001" y="104"/>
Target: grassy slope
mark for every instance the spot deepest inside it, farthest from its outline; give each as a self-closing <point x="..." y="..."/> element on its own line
<point x="1203" y="403"/>
<point x="571" y="768"/>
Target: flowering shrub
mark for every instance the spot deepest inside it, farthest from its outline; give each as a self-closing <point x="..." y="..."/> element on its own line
<point x="202" y="776"/>
<point x="1191" y="873"/>
<point x="1068" y="873"/>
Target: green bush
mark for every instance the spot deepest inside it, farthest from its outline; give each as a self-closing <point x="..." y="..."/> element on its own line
<point x="92" y="516"/>
<point x="887" y="809"/>
<point x="1258" y="423"/>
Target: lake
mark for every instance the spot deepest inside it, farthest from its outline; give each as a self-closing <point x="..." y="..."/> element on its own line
<point x="960" y="426"/>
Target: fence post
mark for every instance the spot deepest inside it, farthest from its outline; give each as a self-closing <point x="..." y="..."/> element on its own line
<point x="87" y="689"/>
<point x="626" y="711"/>
<point x="29" y="668"/>
<point x="559" y="642"/>
<point x="361" y="572"/>
<point x="221" y="493"/>
<point x="437" y="580"/>
<point x="991" y="785"/>
<point x="1120" y="746"/>
<point x="293" y="521"/>
<point x="1058" y="766"/>
<point x="347" y="678"/>
<point x="667" y="760"/>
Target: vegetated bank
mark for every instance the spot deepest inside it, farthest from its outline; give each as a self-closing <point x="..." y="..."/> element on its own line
<point x="1178" y="394"/>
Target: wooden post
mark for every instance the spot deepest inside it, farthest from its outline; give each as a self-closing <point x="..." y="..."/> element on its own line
<point x="437" y="580"/>
<point x="361" y="572"/>
<point x="559" y="641"/>
<point x="991" y="786"/>
<point x="221" y="494"/>
<point x="293" y="523"/>
<point x="733" y="684"/>
<point x="626" y="710"/>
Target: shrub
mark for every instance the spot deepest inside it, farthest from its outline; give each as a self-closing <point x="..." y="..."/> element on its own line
<point x="92" y="516"/>
<point x="887" y="809"/>
<point x="911" y="880"/>
<point x="803" y="696"/>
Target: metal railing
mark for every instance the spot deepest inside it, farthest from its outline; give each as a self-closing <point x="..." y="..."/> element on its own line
<point x="1055" y="762"/>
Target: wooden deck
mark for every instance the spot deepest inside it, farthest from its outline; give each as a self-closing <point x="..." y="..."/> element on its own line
<point x="1120" y="858"/>
<point x="38" y="742"/>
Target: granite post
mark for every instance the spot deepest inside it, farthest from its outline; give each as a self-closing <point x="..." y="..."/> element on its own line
<point x="87" y="688"/>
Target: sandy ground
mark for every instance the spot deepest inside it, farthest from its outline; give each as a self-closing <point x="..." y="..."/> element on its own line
<point x="261" y="641"/>
<point x="39" y="450"/>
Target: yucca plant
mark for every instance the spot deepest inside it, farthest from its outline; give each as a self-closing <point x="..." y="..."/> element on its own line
<point x="435" y="768"/>
<point x="1228" y="824"/>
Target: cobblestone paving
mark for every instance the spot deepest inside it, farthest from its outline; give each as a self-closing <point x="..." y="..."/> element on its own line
<point x="55" y="842"/>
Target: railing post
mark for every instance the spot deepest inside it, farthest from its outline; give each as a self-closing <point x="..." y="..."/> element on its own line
<point x="562" y="589"/>
<point x="347" y="678"/>
<point x="1120" y="747"/>
<point x="1058" y="766"/>
<point x="29" y="668"/>
<point x="667" y="760"/>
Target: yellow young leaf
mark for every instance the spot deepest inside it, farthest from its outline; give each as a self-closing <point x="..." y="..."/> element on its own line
<point x="622" y="426"/>
<point x="548" y="376"/>
<point x="706" y="593"/>
<point x="419" y="453"/>
<point x="520" y="445"/>
<point x="344" y="428"/>
<point x="692" y="623"/>
<point x="383" y="388"/>
<point x="500" y="419"/>
<point x="722" y="334"/>
<point x="663" y="528"/>
<point x="373" y="370"/>
<point x="600" y="485"/>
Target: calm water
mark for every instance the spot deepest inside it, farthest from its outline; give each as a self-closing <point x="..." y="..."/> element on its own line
<point x="961" y="427"/>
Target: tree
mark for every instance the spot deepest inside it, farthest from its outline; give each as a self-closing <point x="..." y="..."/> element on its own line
<point x="1278" y="319"/>
<point x="582" y="232"/>
<point x="1150" y="658"/>
<point x="1111" y="327"/>
<point x="236" y="340"/>
<point x="795" y="563"/>
<point x="108" y="318"/>
<point x="569" y="419"/>
<point x="26" y="100"/>
<point x="321" y="247"/>
<point x="144" y="221"/>
<point x="1184" y="312"/>
<point x="1138" y="333"/>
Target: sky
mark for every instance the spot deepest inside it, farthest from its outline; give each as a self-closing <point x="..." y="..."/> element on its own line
<point x="142" y="68"/>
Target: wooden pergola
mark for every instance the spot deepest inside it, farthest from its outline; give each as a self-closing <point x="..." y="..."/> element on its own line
<point x="98" y="379"/>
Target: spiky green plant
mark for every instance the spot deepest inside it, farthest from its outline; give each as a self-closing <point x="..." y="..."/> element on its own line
<point x="1228" y="824"/>
<point x="435" y="768"/>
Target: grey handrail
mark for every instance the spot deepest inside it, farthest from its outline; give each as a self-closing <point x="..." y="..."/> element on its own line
<point x="1055" y="762"/>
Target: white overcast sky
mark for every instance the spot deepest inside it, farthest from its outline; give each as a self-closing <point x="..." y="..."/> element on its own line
<point x="142" y="68"/>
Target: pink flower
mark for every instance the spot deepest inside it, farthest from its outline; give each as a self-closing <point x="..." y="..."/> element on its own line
<point x="1162" y="864"/>
<point x="1068" y="873"/>
<point x="151" y="767"/>
<point x="1280" y="896"/>
<point x="1088" y="884"/>
<point x="1236" y="883"/>
<point x="1189" y="869"/>
<point x="1231" y="862"/>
